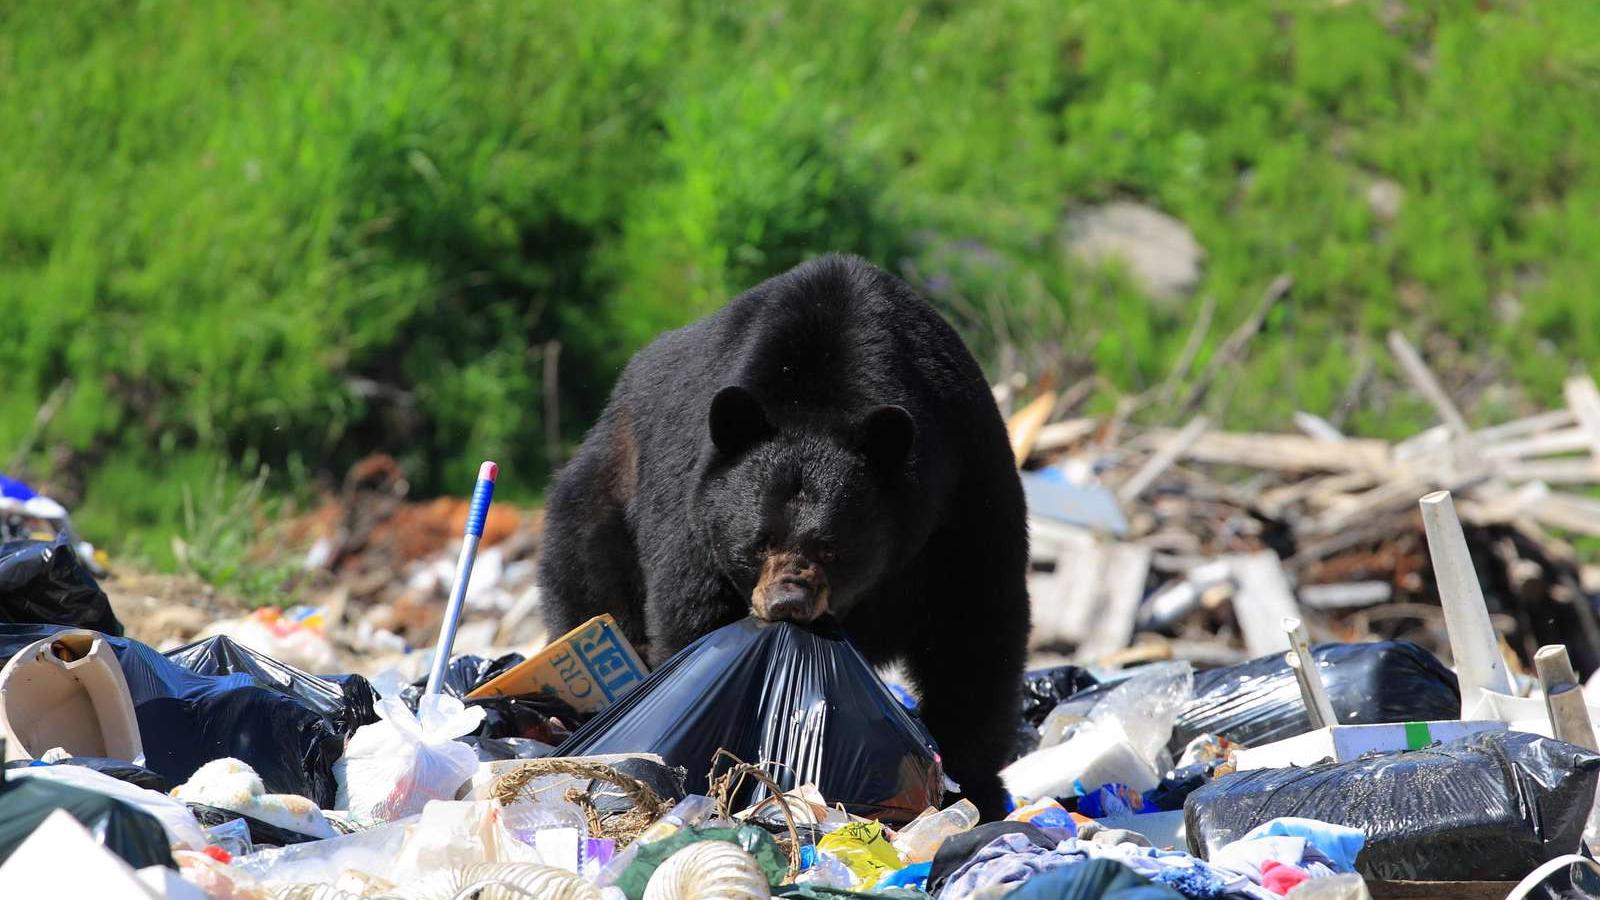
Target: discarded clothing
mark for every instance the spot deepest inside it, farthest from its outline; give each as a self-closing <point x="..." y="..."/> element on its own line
<point x="1281" y="878"/>
<point x="1014" y="859"/>
<point x="1339" y="843"/>
<point x="958" y="849"/>
<point x="1097" y="879"/>
<point x="1250" y="856"/>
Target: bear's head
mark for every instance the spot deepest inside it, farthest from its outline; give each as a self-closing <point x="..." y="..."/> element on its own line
<point x="798" y="515"/>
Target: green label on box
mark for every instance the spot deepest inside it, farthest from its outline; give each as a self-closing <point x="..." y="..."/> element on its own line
<point x="1417" y="735"/>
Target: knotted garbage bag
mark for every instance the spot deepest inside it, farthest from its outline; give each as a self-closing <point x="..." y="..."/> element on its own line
<point x="799" y="699"/>
<point x="393" y="767"/>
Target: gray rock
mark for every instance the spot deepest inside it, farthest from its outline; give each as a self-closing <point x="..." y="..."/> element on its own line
<point x="1160" y="252"/>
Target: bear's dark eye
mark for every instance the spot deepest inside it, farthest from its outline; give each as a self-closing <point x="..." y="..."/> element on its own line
<point x="825" y="555"/>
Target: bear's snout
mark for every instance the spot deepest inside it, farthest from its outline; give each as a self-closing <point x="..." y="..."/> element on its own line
<point x="792" y="588"/>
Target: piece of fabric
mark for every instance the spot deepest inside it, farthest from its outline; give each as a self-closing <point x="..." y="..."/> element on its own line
<point x="1249" y="857"/>
<point x="1012" y="859"/>
<point x="1281" y="878"/>
<point x="1096" y="879"/>
<point x="1341" y="844"/>
<point x="959" y="848"/>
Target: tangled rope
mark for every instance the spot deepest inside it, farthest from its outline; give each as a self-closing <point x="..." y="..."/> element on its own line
<point x="726" y="786"/>
<point x="620" y="827"/>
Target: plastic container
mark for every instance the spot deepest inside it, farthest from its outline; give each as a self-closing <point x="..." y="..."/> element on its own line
<point x="918" y="841"/>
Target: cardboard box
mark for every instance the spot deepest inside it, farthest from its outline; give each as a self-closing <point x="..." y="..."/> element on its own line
<point x="1342" y="743"/>
<point x="588" y="667"/>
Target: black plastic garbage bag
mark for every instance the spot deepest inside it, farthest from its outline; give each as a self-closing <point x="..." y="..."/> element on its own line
<point x="130" y="833"/>
<point x="138" y="776"/>
<point x="262" y="834"/>
<point x="1042" y="689"/>
<point x="801" y="699"/>
<point x="503" y="717"/>
<point x="347" y="702"/>
<point x="667" y="783"/>
<point x="1489" y="807"/>
<point x="495" y="749"/>
<point x="187" y="719"/>
<point x="465" y="673"/>
<point x="1258" y="702"/>
<point x="44" y="583"/>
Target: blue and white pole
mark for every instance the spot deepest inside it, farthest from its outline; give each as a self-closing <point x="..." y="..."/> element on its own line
<point x="482" y="494"/>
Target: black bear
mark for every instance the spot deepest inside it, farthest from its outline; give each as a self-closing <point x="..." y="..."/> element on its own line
<point x="824" y="443"/>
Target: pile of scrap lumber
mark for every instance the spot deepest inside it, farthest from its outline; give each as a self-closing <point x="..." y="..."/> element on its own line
<point x="1195" y="542"/>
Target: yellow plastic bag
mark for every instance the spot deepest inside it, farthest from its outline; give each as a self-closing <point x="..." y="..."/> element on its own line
<point x="864" y="849"/>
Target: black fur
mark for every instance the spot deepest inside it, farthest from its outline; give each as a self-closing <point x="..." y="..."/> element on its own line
<point x="828" y="411"/>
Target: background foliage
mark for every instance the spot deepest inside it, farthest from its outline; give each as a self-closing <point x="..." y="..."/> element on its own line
<point x="293" y="233"/>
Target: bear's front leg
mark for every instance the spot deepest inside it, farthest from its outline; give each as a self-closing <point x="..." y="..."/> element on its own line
<point x="967" y="661"/>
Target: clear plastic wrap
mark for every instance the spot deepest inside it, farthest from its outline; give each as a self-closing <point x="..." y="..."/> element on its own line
<point x="1258" y="702"/>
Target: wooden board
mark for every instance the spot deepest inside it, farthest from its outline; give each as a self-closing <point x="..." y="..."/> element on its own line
<point x="1284" y="452"/>
<point x="1262" y="601"/>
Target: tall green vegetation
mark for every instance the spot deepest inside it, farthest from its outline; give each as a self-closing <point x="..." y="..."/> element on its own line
<point x="295" y="232"/>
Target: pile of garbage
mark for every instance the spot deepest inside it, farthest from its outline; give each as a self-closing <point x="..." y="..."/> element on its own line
<point x="769" y="759"/>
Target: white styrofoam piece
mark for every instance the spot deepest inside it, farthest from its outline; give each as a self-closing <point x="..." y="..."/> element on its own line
<point x="1343" y="743"/>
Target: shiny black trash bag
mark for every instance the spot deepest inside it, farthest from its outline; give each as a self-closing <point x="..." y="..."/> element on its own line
<point x="799" y="699"/>
<point x="1488" y="807"/>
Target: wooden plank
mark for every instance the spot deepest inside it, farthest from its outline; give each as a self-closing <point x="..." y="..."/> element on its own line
<point x="1386" y="497"/>
<point x="1421" y="378"/>
<point x="1122" y="588"/>
<point x="1568" y="511"/>
<point x="1025" y="425"/>
<point x="1262" y="602"/>
<point x="1583" y="398"/>
<point x="1285" y="452"/>
<point x="1424" y="444"/>
<point x="1059" y="435"/>
<point x="1170" y="451"/>
<point x="1567" y="440"/>
<point x="1062" y="611"/>
<point x="1322" y="490"/>
<point x="1552" y="471"/>
<point x="1545" y="421"/>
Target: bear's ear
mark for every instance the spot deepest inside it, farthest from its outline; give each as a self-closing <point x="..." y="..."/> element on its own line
<point x="885" y="437"/>
<point x="737" y="420"/>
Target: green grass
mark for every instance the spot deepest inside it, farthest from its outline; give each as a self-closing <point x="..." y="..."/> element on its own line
<point x="226" y="221"/>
